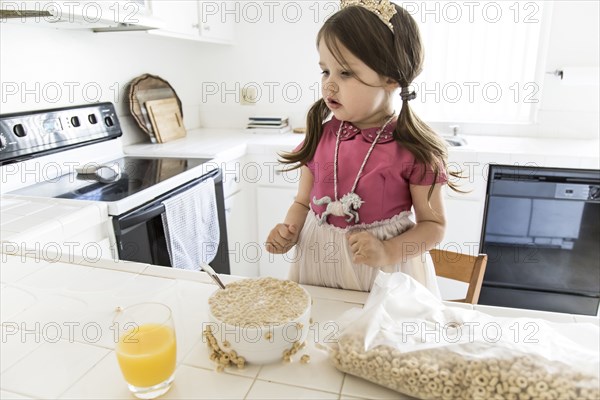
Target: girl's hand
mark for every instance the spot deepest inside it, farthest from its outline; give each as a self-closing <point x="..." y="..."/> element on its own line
<point x="367" y="249"/>
<point x="282" y="238"/>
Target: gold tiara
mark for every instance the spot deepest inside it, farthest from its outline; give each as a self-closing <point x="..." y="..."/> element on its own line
<point x="382" y="8"/>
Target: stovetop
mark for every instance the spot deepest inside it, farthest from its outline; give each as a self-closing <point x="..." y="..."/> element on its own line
<point x="137" y="175"/>
<point x="41" y="151"/>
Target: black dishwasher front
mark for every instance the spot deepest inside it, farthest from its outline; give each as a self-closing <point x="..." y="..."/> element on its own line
<point x="541" y="232"/>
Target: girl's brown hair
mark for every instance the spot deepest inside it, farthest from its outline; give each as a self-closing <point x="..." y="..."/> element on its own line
<point x="398" y="56"/>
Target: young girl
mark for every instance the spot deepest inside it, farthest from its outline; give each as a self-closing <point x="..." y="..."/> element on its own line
<point x="363" y="169"/>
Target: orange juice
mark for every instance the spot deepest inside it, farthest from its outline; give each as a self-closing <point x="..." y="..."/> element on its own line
<point x="147" y="354"/>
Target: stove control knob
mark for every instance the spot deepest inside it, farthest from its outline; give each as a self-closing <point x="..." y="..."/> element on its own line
<point x="109" y="121"/>
<point x="19" y="130"/>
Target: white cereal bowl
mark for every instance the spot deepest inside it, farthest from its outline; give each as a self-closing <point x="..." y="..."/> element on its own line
<point x="261" y="344"/>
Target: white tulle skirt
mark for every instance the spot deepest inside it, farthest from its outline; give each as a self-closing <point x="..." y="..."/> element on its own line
<point x="323" y="256"/>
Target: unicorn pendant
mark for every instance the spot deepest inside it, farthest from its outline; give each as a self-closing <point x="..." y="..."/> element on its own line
<point x="346" y="206"/>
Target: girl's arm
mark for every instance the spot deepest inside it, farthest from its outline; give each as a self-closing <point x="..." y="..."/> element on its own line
<point x="426" y="234"/>
<point x="284" y="236"/>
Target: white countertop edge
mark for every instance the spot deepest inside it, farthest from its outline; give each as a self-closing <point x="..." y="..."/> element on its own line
<point x="216" y="139"/>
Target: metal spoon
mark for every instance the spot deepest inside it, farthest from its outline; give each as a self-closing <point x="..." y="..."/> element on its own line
<point x="211" y="272"/>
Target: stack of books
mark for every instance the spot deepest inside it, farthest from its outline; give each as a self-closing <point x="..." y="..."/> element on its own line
<point x="268" y="125"/>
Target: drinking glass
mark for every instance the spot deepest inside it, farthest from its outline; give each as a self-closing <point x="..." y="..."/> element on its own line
<point x="146" y="348"/>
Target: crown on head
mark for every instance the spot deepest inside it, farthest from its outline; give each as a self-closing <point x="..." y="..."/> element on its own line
<point x="382" y="8"/>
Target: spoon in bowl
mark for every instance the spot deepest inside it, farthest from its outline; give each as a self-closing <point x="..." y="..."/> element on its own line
<point x="211" y="272"/>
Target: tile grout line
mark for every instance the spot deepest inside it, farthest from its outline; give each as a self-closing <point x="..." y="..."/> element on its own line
<point x="108" y="353"/>
<point x="342" y="386"/>
<point x="253" y="382"/>
<point x="21" y="358"/>
<point x="19" y="394"/>
<point x="296" y="386"/>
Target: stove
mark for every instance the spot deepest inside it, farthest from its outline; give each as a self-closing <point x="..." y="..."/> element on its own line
<point x="141" y="179"/>
<point x="44" y="153"/>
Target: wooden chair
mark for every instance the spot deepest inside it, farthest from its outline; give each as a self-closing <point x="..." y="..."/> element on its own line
<point x="461" y="267"/>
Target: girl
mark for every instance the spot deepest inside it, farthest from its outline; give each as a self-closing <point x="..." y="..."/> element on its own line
<point x="363" y="170"/>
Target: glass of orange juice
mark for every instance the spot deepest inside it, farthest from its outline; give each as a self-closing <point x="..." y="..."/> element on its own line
<point x="146" y="348"/>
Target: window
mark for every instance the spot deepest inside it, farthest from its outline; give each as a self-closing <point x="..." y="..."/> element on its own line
<point x="483" y="60"/>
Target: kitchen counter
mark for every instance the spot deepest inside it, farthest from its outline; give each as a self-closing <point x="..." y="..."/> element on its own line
<point x="227" y="143"/>
<point x="58" y="300"/>
<point x="57" y="341"/>
<point x="219" y="143"/>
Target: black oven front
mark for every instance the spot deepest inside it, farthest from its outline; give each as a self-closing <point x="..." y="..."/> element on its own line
<point x="140" y="234"/>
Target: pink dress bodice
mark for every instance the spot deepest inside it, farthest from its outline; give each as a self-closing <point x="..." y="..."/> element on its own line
<point x="384" y="184"/>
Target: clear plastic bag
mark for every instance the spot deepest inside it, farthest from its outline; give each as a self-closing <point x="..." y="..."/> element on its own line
<point x="407" y="340"/>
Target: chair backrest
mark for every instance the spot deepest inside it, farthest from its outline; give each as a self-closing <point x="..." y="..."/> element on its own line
<point x="461" y="267"/>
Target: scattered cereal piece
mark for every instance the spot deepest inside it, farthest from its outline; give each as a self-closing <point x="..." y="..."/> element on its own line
<point x="305" y="359"/>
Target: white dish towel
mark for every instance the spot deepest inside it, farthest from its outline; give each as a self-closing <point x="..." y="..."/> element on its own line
<point x="191" y="226"/>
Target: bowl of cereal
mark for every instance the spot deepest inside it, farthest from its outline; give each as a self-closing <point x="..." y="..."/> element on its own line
<point x="257" y="321"/>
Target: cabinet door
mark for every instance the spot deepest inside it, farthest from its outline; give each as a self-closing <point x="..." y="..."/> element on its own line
<point x="464" y="211"/>
<point x="272" y="204"/>
<point x="233" y="176"/>
<point x="217" y="20"/>
<point x="179" y="16"/>
<point x="244" y="252"/>
<point x="463" y="225"/>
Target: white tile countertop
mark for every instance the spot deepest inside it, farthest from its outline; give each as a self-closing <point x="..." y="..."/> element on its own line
<point x="42" y="224"/>
<point x="57" y="341"/>
<point x="38" y="296"/>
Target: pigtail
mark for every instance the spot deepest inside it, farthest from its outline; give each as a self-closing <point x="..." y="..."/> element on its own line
<point x="426" y="145"/>
<point x="314" y="130"/>
<point x="423" y="142"/>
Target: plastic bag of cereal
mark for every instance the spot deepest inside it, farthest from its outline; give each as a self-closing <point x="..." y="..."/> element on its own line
<point x="407" y="340"/>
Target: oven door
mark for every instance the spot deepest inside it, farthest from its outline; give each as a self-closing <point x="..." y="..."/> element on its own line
<point x="141" y="237"/>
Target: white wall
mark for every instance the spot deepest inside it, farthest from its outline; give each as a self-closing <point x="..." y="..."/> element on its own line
<point x="47" y="68"/>
<point x="274" y="53"/>
<point x="571" y="111"/>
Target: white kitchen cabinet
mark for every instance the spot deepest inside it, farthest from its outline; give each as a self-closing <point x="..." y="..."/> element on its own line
<point x="179" y="16"/>
<point x="275" y="193"/>
<point x="464" y="211"/>
<point x="273" y="203"/>
<point x="216" y="20"/>
<point x="99" y="16"/>
<point x="194" y="20"/>
<point x="233" y="176"/>
<point x="463" y="225"/>
<point x="244" y="252"/>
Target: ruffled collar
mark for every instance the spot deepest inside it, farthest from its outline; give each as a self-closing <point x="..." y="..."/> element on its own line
<point x="369" y="134"/>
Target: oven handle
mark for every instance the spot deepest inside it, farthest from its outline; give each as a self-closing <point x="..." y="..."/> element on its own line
<point x="143" y="215"/>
